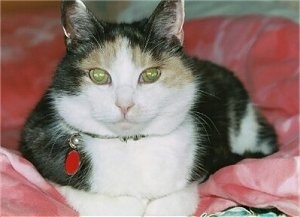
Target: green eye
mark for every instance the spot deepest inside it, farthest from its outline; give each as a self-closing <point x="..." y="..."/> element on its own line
<point x="99" y="76"/>
<point x="149" y="75"/>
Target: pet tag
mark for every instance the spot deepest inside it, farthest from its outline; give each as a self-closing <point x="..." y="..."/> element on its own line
<point x="72" y="161"/>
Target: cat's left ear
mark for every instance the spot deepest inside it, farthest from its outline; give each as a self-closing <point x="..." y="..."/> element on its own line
<point x="78" y="22"/>
<point x="167" y="19"/>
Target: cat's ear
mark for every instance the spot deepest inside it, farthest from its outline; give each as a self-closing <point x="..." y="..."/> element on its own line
<point x="168" y="18"/>
<point x="78" y="22"/>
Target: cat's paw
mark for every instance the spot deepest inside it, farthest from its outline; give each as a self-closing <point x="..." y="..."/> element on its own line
<point x="181" y="203"/>
<point x="168" y="207"/>
<point x="93" y="204"/>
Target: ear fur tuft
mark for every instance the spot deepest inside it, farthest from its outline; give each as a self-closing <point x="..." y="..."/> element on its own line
<point x="168" y="18"/>
<point x="78" y="22"/>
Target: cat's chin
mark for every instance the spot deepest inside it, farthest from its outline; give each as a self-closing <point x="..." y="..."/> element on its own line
<point x="125" y="128"/>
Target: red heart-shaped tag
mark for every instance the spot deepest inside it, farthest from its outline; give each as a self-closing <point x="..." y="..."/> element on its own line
<point x="72" y="162"/>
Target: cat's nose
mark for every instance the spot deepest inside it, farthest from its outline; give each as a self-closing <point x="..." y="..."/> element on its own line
<point x="124" y="99"/>
<point x="125" y="108"/>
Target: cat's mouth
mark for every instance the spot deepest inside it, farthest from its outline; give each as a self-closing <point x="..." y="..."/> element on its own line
<point x="124" y="124"/>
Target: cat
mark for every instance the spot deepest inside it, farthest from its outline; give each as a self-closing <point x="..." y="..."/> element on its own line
<point x="131" y="124"/>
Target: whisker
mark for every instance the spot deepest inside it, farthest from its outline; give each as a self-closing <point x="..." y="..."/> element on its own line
<point x="208" y="94"/>
<point x="200" y="115"/>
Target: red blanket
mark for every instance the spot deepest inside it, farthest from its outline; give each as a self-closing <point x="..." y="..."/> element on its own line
<point x="263" y="51"/>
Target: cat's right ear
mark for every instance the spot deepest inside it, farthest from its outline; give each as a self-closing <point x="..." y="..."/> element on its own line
<point x="78" y="22"/>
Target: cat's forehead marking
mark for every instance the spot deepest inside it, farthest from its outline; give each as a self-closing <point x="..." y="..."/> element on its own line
<point x="117" y="54"/>
<point x="122" y="59"/>
<point x="123" y="54"/>
<point x="119" y="58"/>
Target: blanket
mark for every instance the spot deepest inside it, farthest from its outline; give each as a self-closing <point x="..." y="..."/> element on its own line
<point x="262" y="51"/>
<point x="265" y="57"/>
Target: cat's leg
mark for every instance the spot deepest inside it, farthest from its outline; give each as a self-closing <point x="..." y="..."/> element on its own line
<point x="93" y="204"/>
<point x="180" y="203"/>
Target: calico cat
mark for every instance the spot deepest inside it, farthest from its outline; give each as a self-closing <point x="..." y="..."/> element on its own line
<point x="131" y="124"/>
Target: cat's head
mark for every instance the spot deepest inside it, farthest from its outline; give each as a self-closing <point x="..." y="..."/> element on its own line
<point x="123" y="79"/>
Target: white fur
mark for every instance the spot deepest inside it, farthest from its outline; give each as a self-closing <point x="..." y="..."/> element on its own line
<point x="246" y="140"/>
<point x="155" y="168"/>
<point x="92" y="204"/>
<point x="180" y="203"/>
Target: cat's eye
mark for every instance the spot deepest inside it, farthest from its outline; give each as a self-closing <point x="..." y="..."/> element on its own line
<point x="99" y="76"/>
<point x="149" y="75"/>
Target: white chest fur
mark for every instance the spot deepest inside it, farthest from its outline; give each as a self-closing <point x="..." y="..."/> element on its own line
<point x="147" y="168"/>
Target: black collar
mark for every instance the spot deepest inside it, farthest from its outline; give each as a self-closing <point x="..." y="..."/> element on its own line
<point x="121" y="138"/>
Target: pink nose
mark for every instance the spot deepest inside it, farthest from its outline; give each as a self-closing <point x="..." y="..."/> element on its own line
<point x="125" y="108"/>
<point x="124" y="98"/>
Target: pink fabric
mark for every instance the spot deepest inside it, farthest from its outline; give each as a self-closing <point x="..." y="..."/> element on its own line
<point x="263" y="51"/>
<point x="25" y="192"/>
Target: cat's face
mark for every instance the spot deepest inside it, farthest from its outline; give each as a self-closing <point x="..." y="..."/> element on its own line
<point x="128" y="81"/>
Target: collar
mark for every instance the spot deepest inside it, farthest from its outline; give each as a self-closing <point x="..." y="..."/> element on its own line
<point x="73" y="158"/>
<point x="78" y="133"/>
<point x="121" y="138"/>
